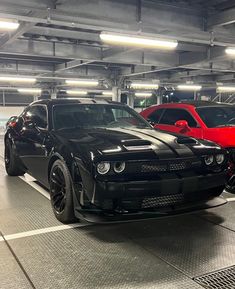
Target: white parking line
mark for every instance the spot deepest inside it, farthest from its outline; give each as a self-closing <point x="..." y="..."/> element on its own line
<point x="31" y="181"/>
<point x="40" y="231"/>
<point x="230" y="199"/>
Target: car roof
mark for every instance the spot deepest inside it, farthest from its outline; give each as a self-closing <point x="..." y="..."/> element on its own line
<point x="194" y="103"/>
<point x="75" y="100"/>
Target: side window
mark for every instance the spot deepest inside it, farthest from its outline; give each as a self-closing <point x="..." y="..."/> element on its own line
<point x="156" y="115"/>
<point x="171" y="116"/>
<point x="37" y="114"/>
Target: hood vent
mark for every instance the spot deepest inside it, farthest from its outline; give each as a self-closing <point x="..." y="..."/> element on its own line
<point x="186" y="140"/>
<point x="137" y="144"/>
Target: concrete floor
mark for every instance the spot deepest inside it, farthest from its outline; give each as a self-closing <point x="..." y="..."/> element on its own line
<point x="36" y="251"/>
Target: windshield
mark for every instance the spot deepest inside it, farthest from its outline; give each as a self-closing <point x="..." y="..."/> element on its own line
<point x="96" y="116"/>
<point x="217" y="116"/>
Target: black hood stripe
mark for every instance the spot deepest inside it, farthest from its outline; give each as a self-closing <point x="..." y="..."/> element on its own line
<point x="164" y="142"/>
<point x="161" y="146"/>
<point x="179" y="149"/>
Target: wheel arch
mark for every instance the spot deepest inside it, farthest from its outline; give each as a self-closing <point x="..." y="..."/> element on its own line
<point x="58" y="156"/>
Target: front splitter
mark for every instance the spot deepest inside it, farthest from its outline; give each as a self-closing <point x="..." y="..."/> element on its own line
<point x="99" y="216"/>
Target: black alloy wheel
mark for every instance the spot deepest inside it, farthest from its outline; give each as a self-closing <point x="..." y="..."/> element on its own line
<point x="12" y="162"/>
<point x="61" y="191"/>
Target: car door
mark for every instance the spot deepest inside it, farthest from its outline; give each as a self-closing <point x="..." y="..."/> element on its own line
<point x="33" y="145"/>
<point x="169" y="117"/>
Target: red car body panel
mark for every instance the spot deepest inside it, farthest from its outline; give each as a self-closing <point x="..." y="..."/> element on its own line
<point x="224" y="136"/>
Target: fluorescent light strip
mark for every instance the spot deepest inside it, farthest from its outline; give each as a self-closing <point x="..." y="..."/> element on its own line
<point x="118" y="39"/>
<point x="29" y="90"/>
<point x="189" y="87"/>
<point x="143" y="94"/>
<point x="76" y="92"/>
<point x="17" y="79"/>
<point x="138" y="85"/>
<point x="81" y="82"/>
<point x="226" y="88"/>
<point x="230" y="50"/>
<point x="7" y="25"/>
<point x="107" y="93"/>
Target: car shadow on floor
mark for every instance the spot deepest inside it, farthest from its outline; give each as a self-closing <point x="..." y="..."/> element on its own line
<point x="187" y="242"/>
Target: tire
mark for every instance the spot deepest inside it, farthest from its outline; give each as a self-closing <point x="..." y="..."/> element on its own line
<point x="12" y="161"/>
<point x="230" y="185"/>
<point x="61" y="191"/>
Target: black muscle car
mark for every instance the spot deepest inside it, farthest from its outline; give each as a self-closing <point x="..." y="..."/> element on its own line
<point x="102" y="161"/>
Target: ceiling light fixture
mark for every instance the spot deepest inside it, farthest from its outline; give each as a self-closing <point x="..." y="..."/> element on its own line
<point x="189" y="87"/>
<point x="29" y="90"/>
<point x="76" y="92"/>
<point x="142" y="85"/>
<point x="107" y="93"/>
<point x="17" y="79"/>
<point x="82" y="82"/>
<point x="8" y="25"/>
<point x="121" y="40"/>
<point x="143" y="94"/>
<point x="230" y="50"/>
<point x="226" y="88"/>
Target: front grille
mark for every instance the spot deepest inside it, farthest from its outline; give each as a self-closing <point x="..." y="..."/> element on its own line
<point x="162" y="201"/>
<point x="222" y="279"/>
<point x="166" y="166"/>
<point x="151" y="202"/>
<point x="153" y="168"/>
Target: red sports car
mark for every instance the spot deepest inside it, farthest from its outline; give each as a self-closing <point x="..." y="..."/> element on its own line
<point x="200" y="119"/>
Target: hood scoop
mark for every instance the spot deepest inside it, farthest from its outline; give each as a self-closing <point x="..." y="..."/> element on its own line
<point x="137" y="144"/>
<point x="186" y="140"/>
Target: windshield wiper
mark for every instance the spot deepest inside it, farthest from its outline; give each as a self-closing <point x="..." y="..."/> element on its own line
<point x="225" y="125"/>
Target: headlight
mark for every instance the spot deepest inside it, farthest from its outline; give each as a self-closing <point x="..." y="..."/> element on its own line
<point x="208" y="160"/>
<point x="103" y="168"/>
<point x="119" y="167"/>
<point x="219" y="158"/>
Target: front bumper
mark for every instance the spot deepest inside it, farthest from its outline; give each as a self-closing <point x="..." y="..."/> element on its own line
<point x="100" y="216"/>
<point x="166" y="191"/>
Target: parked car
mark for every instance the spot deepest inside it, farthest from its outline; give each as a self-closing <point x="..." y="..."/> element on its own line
<point x="11" y="121"/>
<point x="200" y="119"/>
<point x="102" y="161"/>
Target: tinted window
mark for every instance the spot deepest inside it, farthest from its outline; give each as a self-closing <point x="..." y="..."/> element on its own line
<point x="37" y="114"/>
<point x="217" y="116"/>
<point x="95" y="116"/>
<point x="171" y="116"/>
<point x="155" y="116"/>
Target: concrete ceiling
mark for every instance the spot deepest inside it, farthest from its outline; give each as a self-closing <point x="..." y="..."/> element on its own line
<point x="59" y="39"/>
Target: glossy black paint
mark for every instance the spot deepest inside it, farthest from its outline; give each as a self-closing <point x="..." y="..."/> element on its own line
<point x="82" y="149"/>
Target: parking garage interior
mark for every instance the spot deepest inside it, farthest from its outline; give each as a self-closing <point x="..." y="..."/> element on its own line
<point x="140" y="53"/>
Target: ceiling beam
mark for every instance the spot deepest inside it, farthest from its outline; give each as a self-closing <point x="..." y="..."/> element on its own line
<point x="222" y="18"/>
<point x="70" y="65"/>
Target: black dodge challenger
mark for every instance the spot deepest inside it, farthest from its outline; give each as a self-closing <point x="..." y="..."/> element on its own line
<point x="102" y="161"/>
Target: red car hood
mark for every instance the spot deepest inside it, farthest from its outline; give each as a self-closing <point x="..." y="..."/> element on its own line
<point x="224" y="136"/>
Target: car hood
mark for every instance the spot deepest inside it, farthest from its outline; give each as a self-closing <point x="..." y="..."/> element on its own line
<point x="131" y="143"/>
<point x="224" y="136"/>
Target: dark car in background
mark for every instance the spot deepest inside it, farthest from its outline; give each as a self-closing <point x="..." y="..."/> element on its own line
<point x="102" y="161"/>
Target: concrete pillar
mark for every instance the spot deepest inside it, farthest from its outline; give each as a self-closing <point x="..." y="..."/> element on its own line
<point x="116" y="94"/>
<point x="130" y="99"/>
<point x="159" y="99"/>
<point x="3" y="98"/>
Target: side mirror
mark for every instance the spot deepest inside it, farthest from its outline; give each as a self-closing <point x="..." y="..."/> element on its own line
<point x="150" y="122"/>
<point x="30" y="123"/>
<point x="182" y="124"/>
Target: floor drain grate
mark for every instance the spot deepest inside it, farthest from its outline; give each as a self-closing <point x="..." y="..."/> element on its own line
<point x="221" y="279"/>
